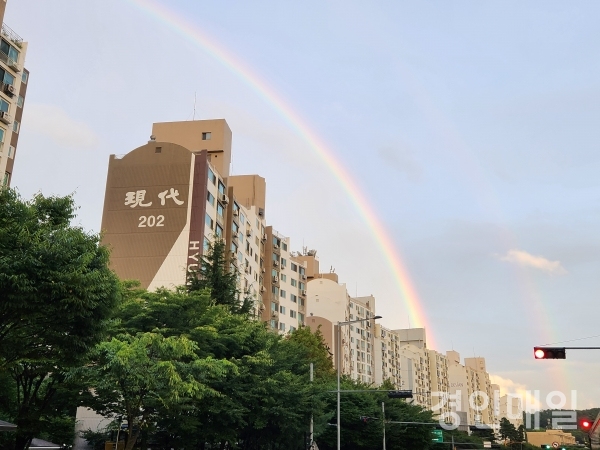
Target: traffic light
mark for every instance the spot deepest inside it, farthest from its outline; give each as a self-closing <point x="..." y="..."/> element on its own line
<point x="545" y="446"/>
<point x="549" y="353"/>
<point x="400" y="394"/>
<point x="585" y="424"/>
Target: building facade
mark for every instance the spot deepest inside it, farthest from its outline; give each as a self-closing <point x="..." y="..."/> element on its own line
<point x="13" y="88"/>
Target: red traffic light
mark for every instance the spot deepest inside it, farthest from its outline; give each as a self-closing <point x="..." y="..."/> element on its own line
<point x="549" y="353"/>
<point x="585" y="424"/>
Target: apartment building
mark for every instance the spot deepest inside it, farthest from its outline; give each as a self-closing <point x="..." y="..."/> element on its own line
<point x="167" y="200"/>
<point x="362" y="339"/>
<point x="438" y="383"/>
<point x="470" y="385"/>
<point x="13" y="87"/>
<point x="387" y="357"/>
<point x="286" y="298"/>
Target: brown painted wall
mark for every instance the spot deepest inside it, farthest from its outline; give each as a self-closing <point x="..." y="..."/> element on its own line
<point x="137" y="250"/>
<point x="2" y="9"/>
<point x="189" y="135"/>
<point x="250" y="190"/>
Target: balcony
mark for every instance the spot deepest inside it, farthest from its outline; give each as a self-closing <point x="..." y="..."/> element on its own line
<point x="8" y="33"/>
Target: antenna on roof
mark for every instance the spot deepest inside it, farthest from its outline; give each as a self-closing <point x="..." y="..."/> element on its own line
<point x="194" y="115"/>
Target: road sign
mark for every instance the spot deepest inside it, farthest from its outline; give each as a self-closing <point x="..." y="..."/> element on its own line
<point x="437" y="436"/>
<point x="555" y="444"/>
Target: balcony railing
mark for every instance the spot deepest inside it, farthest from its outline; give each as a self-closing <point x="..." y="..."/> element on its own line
<point x="11" y="35"/>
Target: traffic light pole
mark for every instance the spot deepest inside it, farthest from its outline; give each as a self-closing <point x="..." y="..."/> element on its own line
<point x="383" y="421"/>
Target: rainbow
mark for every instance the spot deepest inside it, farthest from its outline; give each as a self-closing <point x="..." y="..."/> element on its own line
<point x="248" y="76"/>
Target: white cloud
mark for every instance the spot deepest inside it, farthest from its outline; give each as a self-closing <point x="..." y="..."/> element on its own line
<point x="509" y="387"/>
<point x="54" y="123"/>
<point x="524" y="259"/>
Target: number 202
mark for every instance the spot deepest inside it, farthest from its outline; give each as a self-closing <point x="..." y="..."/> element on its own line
<point x="151" y="221"/>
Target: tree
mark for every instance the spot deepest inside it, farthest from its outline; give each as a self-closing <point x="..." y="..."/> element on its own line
<point x="508" y="430"/>
<point x="57" y="294"/>
<point x="220" y="277"/>
<point x="137" y="377"/>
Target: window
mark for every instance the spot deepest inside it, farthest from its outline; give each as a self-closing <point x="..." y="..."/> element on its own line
<point x="351" y="306"/>
<point x="294" y="267"/>
<point x="302" y="286"/>
<point x="211" y="176"/>
<point x="292" y="329"/>
<point x="300" y="317"/>
<point x="283" y="277"/>
<point x="24" y="77"/>
<point x="273" y="324"/>
<point x="302" y="271"/>
<point x="11" y="151"/>
<point x="275" y="257"/>
<point x="210" y="199"/>
<point x="283" y="262"/>
<point x="2" y="139"/>
<point x="9" y="50"/>
<point x="301" y="301"/>
<point x="281" y="309"/>
<point x="234" y="248"/>
<point x="220" y="210"/>
<point x="282" y="293"/>
<point x="275" y="290"/>
<point x="7" y="77"/>
<point x="274" y="273"/>
<point x="293" y="314"/>
<point x="235" y="228"/>
<point x="219" y="231"/>
<point x="284" y="246"/>
<point x="6" y="177"/>
<point x="293" y="298"/>
<point x="221" y="188"/>
<point x="206" y="136"/>
<point x="4" y="106"/>
<point x="281" y="326"/>
<point x="236" y="208"/>
<point x="242" y="219"/>
<point x="208" y="221"/>
<point x="206" y="244"/>
<point x="294" y="282"/>
<point x="20" y="101"/>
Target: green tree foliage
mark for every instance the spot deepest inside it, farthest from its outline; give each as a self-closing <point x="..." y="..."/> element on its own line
<point x="508" y="432"/>
<point x="220" y="277"/>
<point x="56" y="293"/>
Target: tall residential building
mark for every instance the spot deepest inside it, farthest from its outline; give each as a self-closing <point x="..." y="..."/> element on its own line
<point x="470" y="384"/>
<point x="168" y="199"/>
<point x="13" y="87"/>
<point x="285" y="293"/>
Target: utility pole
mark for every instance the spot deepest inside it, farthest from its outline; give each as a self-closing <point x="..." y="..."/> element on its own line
<point x="311" y="414"/>
<point x="383" y="416"/>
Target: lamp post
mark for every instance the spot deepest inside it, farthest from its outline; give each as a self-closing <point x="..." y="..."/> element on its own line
<point x="339" y="361"/>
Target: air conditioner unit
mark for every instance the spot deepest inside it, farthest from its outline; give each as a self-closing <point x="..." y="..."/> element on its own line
<point x="236" y="212"/>
<point x="263" y="270"/>
<point x="248" y="233"/>
<point x="14" y="65"/>
<point x="303" y="277"/>
<point x="5" y="117"/>
<point x="8" y="89"/>
<point x="247" y="270"/>
<point x="264" y="237"/>
<point x="273" y="313"/>
<point x="234" y="236"/>
<point x="276" y="247"/>
<point x="262" y="289"/>
<point x="261" y="212"/>
<point x="275" y="279"/>
<point x="224" y="199"/>
<point x="275" y="263"/>
<point x="303" y="293"/>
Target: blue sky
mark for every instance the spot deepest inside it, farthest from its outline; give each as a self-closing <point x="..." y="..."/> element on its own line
<point x="470" y="126"/>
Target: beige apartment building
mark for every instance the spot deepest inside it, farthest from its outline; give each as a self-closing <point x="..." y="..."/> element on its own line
<point x="285" y="299"/>
<point x="13" y="87"/>
<point x="471" y="389"/>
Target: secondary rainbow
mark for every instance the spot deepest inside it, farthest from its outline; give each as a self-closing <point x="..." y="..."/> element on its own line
<point x="379" y="232"/>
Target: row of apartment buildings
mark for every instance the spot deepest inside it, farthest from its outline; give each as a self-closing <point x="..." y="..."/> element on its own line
<point x="13" y="87"/>
<point x="168" y="199"/>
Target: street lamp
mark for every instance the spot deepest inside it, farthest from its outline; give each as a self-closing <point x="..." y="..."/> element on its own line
<point x="339" y="363"/>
